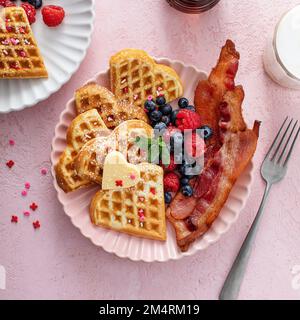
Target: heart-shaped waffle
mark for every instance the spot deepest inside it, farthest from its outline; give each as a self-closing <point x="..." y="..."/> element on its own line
<point x="20" y="56"/>
<point x="118" y="173"/>
<point x="112" y="110"/>
<point x="139" y="210"/>
<point x="135" y="76"/>
<point x="90" y="159"/>
<point x="83" y="128"/>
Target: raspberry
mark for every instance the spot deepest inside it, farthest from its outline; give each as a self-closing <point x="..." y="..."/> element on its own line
<point x="7" y="3"/>
<point x="30" y="12"/>
<point x="187" y="119"/>
<point x="194" y="145"/>
<point x="53" y="15"/>
<point x="172" y="166"/>
<point x="171" y="182"/>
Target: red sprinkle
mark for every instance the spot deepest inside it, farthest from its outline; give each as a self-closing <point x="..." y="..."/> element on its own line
<point x="153" y="190"/>
<point x="27" y="185"/>
<point x="11" y="142"/>
<point x="14" y="219"/>
<point x="10" y="163"/>
<point x="26" y="213"/>
<point x="142" y="199"/>
<point x="36" y="224"/>
<point x="141" y="212"/>
<point x="125" y="90"/>
<point x="43" y="171"/>
<point x="119" y="183"/>
<point x="33" y="206"/>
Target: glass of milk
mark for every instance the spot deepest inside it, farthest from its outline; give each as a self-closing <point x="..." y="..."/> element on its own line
<point x="282" y="54"/>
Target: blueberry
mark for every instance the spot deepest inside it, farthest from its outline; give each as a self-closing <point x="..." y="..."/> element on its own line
<point x="166" y="120"/>
<point x="150" y="105"/>
<point x="185" y="169"/>
<point x="183" y="103"/>
<point x="161" y="100"/>
<point x="206" y="132"/>
<point x="187" y="191"/>
<point x="155" y="115"/>
<point x="166" y="109"/>
<point x="190" y="107"/>
<point x="168" y="197"/>
<point x="36" y="3"/>
<point x="160" y="126"/>
<point x="184" y="181"/>
<point x="173" y="116"/>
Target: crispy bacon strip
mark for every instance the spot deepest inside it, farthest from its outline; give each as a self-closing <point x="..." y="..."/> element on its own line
<point x="225" y="160"/>
<point x="209" y="93"/>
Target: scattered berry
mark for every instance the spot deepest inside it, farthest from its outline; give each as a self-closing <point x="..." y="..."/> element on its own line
<point x="36" y="3"/>
<point x="168" y="197"/>
<point x="184" y="181"/>
<point x="155" y="116"/>
<point x="183" y="103"/>
<point x="166" y="120"/>
<point x="10" y="164"/>
<point x="173" y="116"/>
<point x="206" y="132"/>
<point x="171" y="182"/>
<point x="166" y="109"/>
<point x="30" y="12"/>
<point x="187" y="191"/>
<point x="53" y="16"/>
<point x="150" y="106"/>
<point x="190" y="107"/>
<point x="187" y="119"/>
<point x="36" y="224"/>
<point x="161" y="100"/>
<point x="14" y="219"/>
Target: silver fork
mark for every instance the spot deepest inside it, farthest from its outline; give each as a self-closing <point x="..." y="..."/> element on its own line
<point x="273" y="170"/>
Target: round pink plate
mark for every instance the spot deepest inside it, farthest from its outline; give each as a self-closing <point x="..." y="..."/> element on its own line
<point x="76" y="204"/>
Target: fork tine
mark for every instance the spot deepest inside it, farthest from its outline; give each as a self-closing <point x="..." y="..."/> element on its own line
<point x="287" y="142"/>
<point x="291" y="149"/>
<point x="281" y="141"/>
<point x="276" y="138"/>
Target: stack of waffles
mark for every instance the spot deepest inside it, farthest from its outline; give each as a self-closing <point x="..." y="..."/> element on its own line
<point x="109" y="122"/>
<point x="20" y="56"/>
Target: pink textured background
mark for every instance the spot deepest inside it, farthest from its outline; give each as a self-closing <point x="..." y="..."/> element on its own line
<point x="58" y="262"/>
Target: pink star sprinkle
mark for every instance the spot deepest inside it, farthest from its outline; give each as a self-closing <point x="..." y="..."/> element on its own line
<point x="26" y="213"/>
<point x="150" y="98"/>
<point x="27" y="185"/>
<point x="132" y="176"/>
<point x="11" y="142"/>
<point x="24" y="193"/>
<point x="44" y="171"/>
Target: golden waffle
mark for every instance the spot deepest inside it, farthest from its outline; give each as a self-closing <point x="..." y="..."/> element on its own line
<point x="20" y="56"/>
<point x="135" y="76"/>
<point x="83" y="128"/>
<point x="122" y="210"/>
<point x="112" y="111"/>
<point x="90" y="159"/>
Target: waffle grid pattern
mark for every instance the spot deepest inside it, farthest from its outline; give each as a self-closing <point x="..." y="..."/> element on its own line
<point x="119" y="210"/>
<point x="19" y="54"/>
<point x="134" y="80"/>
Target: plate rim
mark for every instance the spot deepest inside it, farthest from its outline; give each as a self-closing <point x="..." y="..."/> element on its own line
<point x="250" y="172"/>
<point x="51" y="92"/>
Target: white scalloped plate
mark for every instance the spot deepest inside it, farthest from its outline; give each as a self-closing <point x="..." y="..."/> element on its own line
<point x="76" y="204"/>
<point x="63" y="49"/>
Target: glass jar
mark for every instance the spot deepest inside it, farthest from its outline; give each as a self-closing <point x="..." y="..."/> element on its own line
<point x="192" y="6"/>
<point x="282" y="54"/>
